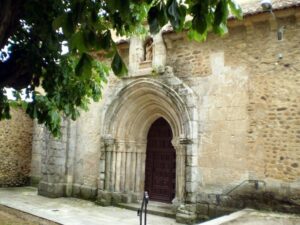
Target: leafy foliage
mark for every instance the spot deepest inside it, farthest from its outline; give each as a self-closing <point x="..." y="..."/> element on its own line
<point x="35" y="57"/>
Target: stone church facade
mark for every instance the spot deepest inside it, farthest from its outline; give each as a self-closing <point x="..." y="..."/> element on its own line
<point x="208" y="127"/>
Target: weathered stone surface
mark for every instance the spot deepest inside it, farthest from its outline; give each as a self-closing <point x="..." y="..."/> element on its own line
<point x="104" y="198"/>
<point x="232" y="104"/>
<point x="15" y="149"/>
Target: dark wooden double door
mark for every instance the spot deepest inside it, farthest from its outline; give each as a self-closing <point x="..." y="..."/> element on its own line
<point x="160" y="162"/>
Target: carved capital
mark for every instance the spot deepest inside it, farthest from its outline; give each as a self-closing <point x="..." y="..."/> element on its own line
<point x="180" y="145"/>
<point x="108" y="139"/>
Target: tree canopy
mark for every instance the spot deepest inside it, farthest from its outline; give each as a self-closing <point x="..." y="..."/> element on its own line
<point x="32" y="34"/>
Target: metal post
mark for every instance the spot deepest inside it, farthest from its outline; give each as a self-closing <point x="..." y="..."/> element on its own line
<point x="146" y="203"/>
<point x="140" y="211"/>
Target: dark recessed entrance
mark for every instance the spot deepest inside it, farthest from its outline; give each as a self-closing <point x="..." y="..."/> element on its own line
<point x="160" y="162"/>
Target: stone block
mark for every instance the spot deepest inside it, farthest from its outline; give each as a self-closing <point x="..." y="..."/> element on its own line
<point x="136" y="197"/>
<point x="237" y="113"/>
<point x="116" y="198"/>
<point x="76" y="190"/>
<point x="191" y="174"/>
<point x="191" y="160"/>
<point x="186" y="219"/>
<point x="186" y="214"/>
<point x="104" y="198"/>
<point x="51" y="190"/>
<point x="88" y="193"/>
<point x="34" y="181"/>
<point x="191" y="197"/>
<point x="202" y="209"/>
<point x="126" y="198"/>
<point x="217" y="211"/>
<point x="217" y="114"/>
<point x="102" y="166"/>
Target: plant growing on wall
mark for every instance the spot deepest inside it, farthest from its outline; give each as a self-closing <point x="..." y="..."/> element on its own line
<point x="33" y="33"/>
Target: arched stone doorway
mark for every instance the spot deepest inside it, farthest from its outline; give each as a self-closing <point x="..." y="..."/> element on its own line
<point x="128" y="118"/>
<point x="160" y="172"/>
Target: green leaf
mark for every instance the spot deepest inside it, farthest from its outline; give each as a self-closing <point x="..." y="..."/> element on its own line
<point x="24" y="105"/>
<point x="199" y="24"/>
<point x="153" y="21"/>
<point x="32" y="110"/>
<point x="194" y="35"/>
<point x="77" y="42"/>
<point x="176" y="14"/>
<point x="84" y="66"/>
<point x="105" y="40"/>
<point x="221" y="29"/>
<point x="187" y="25"/>
<point x="118" y="65"/>
<point x="68" y="27"/>
<point x="235" y="9"/>
<point x="221" y="13"/>
<point x="59" y="21"/>
<point x="65" y="22"/>
<point x="121" y="6"/>
<point x="77" y="10"/>
<point x="55" y="118"/>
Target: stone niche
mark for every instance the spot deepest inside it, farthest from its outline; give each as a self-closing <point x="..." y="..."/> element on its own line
<point x="147" y="56"/>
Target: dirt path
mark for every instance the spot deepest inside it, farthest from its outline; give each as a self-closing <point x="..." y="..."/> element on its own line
<point x="9" y="216"/>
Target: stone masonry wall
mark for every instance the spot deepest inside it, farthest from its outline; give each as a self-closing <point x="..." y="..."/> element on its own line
<point x="248" y="100"/>
<point x="15" y="149"/>
<point x="247" y="93"/>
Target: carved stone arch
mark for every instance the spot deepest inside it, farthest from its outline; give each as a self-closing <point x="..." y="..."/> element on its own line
<point x="126" y="124"/>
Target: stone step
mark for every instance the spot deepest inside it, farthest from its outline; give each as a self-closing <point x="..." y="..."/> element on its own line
<point x="154" y="208"/>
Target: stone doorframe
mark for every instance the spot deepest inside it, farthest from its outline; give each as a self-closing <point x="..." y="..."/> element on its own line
<point x="136" y="106"/>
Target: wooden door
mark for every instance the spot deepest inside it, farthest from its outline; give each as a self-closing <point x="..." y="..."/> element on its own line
<point x="160" y="162"/>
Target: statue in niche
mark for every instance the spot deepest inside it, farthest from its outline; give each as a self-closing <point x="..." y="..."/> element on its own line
<point x="148" y="50"/>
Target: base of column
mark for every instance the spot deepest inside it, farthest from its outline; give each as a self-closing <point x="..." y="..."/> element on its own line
<point x="52" y="190"/>
<point x="106" y="198"/>
<point x="186" y="214"/>
<point x="84" y="192"/>
<point x="34" y="181"/>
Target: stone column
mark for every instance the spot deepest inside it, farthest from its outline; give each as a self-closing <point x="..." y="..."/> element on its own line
<point x="136" y="54"/>
<point x="118" y="153"/>
<point x="140" y="168"/>
<point x="104" y="197"/>
<point x="70" y="156"/>
<point x="180" y="171"/>
<point x="38" y="146"/>
<point x="130" y="167"/>
<point x="109" y="148"/>
<point x="53" y="169"/>
<point x="133" y="166"/>
<point x="186" y="183"/>
<point x="159" y="53"/>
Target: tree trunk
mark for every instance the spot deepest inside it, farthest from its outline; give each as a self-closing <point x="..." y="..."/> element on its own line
<point x="12" y="73"/>
<point x="9" y="18"/>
